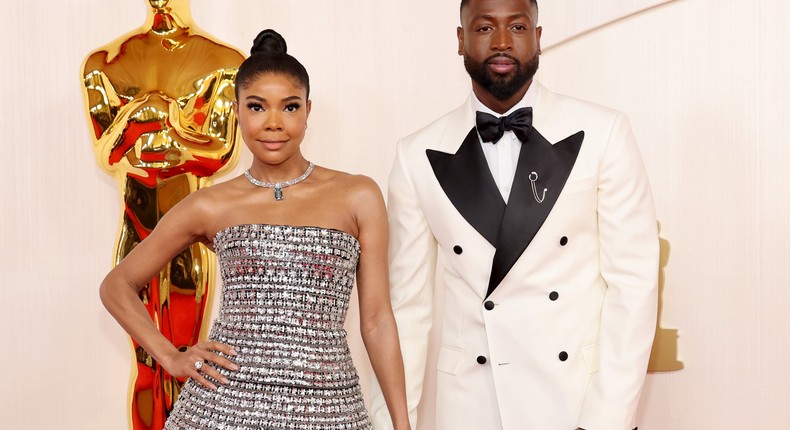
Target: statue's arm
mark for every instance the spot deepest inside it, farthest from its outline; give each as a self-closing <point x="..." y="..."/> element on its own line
<point x="206" y="115"/>
<point x="108" y="112"/>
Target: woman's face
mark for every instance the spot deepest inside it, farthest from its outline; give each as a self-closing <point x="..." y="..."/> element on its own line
<point x="272" y="111"/>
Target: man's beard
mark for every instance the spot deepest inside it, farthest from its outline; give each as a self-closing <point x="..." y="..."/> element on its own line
<point x="502" y="87"/>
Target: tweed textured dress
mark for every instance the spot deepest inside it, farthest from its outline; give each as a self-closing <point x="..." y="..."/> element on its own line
<point x="285" y="295"/>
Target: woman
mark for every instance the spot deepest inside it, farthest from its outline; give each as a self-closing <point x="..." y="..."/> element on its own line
<point x="290" y="237"/>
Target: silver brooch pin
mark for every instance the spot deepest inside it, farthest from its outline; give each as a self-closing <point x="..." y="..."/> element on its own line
<point x="533" y="178"/>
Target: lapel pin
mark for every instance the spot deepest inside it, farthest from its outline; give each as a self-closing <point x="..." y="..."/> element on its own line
<point x="533" y="178"/>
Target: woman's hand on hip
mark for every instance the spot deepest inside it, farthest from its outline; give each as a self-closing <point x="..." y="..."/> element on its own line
<point x="200" y="361"/>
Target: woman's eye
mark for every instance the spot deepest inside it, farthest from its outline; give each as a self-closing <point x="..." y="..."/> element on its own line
<point x="293" y="107"/>
<point x="255" y="107"/>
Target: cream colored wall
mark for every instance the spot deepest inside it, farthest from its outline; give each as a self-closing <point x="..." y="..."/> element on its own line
<point x="703" y="84"/>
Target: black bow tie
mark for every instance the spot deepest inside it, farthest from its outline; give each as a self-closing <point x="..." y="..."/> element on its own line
<point x="492" y="128"/>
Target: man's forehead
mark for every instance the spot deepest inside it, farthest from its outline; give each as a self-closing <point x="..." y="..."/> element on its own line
<point x="475" y="9"/>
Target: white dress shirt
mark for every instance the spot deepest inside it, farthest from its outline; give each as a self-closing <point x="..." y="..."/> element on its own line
<point x="502" y="157"/>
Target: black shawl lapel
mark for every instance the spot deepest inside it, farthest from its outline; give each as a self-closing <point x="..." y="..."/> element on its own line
<point x="524" y="216"/>
<point x="466" y="179"/>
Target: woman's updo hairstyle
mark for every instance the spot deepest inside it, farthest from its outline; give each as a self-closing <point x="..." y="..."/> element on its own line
<point x="269" y="55"/>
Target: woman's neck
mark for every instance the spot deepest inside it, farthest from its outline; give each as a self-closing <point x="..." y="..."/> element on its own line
<point x="282" y="172"/>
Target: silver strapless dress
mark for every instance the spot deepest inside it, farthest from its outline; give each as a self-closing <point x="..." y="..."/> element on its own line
<point x="285" y="295"/>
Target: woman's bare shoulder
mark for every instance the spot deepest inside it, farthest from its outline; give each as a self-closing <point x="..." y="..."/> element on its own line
<point x="209" y="202"/>
<point x="355" y="187"/>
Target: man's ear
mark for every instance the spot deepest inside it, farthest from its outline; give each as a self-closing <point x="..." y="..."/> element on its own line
<point x="460" y="34"/>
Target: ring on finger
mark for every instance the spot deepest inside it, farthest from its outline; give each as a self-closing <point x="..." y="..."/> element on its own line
<point x="198" y="365"/>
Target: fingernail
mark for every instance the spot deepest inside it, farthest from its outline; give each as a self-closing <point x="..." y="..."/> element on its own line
<point x="225" y="381"/>
<point x="233" y="367"/>
<point x="213" y="387"/>
<point x="233" y="352"/>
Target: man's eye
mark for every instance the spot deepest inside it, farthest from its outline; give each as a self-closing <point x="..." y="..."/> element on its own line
<point x="519" y="27"/>
<point x="484" y="29"/>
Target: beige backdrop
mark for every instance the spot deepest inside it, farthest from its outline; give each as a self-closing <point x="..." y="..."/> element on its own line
<point x="703" y="82"/>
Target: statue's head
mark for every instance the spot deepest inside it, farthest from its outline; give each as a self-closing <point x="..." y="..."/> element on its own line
<point x="158" y="4"/>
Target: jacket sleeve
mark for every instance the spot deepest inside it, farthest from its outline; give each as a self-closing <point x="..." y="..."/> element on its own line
<point x="629" y="252"/>
<point x="412" y="255"/>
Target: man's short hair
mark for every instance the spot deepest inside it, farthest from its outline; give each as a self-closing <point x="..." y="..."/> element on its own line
<point x="464" y="3"/>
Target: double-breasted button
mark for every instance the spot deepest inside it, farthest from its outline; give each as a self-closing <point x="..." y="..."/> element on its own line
<point x="458" y="250"/>
<point x="481" y="359"/>
<point x="564" y="240"/>
<point x="553" y="296"/>
<point x="489" y="305"/>
<point x="563" y="356"/>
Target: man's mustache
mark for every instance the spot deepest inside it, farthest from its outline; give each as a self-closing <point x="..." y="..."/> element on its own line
<point x="503" y="55"/>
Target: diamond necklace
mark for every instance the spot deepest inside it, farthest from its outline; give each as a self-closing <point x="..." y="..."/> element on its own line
<point x="278" y="186"/>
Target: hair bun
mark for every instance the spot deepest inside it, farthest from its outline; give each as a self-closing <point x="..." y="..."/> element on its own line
<point x="269" y="42"/>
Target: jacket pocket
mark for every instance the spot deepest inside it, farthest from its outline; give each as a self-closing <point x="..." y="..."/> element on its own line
<point x="592" y="356"/>
<point x="449" y="359"/>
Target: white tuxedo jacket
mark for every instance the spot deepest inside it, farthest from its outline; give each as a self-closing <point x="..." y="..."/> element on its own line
<point x="550" y="299"/>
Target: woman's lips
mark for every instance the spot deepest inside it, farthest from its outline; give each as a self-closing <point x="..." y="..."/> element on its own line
<point x="273" y="145"/>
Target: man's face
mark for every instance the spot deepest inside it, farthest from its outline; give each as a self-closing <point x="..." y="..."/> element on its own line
<point x="500" y="43"/>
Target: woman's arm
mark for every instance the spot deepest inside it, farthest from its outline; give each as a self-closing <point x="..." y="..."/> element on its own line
<point x="377" y="323"/>
<point x="179" y="228"/>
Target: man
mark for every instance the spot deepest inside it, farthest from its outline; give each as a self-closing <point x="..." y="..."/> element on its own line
<point x="543" y="223"/>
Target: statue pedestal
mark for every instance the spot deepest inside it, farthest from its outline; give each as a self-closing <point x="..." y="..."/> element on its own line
<point x="663" y="357"/>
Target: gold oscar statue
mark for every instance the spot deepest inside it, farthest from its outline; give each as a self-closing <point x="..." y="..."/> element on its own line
<point x="159" y="101"/>
<point x="663" y="357"/>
